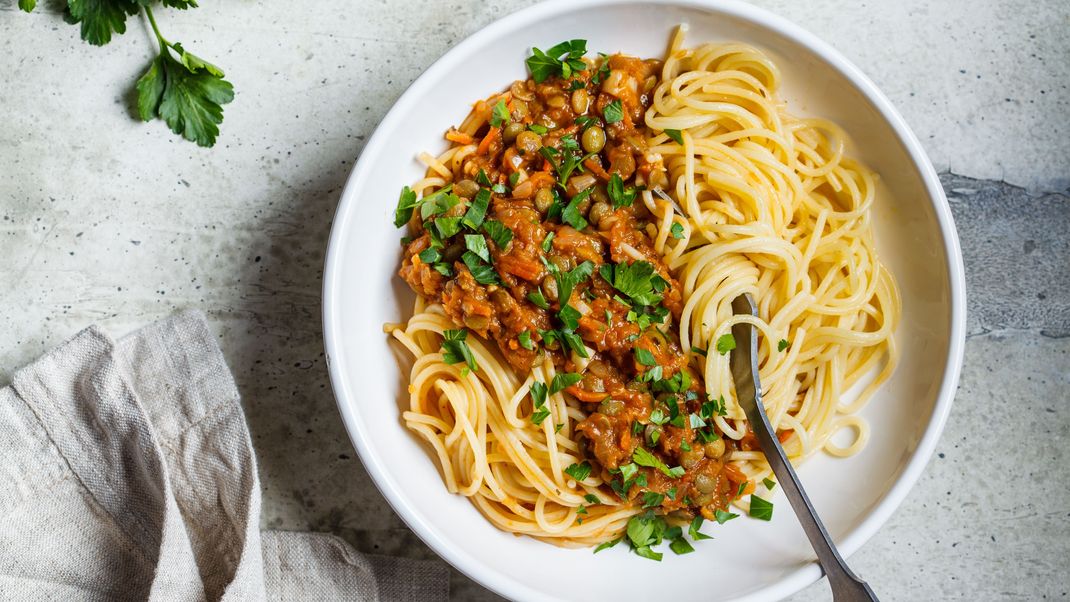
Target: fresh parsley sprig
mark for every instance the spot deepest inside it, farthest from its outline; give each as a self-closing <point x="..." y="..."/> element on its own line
<point x="182" y="89"/>
<point x="562" y="59"/>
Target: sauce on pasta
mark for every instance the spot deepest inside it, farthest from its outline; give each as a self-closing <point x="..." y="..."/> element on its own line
<point x="574" y="251"/>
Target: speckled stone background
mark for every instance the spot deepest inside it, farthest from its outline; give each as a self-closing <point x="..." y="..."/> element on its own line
<point x="104" y="219"/>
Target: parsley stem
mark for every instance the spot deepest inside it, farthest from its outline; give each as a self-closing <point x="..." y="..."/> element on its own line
<point x="156" y="30"/>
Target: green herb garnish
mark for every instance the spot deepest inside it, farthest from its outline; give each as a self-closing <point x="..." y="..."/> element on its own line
<point x="675" y="135"/>
<point x="562" y="59"/>
<point x="456" y="350"/>
<point x="760" y="508"/>
<point x="613" y="112"/>
<point x="563" y="380"/>
<point x="643" y="457"/>
<point x="725" y="343"/>
<point x="500" y="114"/>
<point x="524" y="338"/>
<point x="579" y="471"/>
<point x="618" y="193"/>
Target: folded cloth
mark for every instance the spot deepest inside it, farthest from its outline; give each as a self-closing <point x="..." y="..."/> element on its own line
<point x="127" y="473"/>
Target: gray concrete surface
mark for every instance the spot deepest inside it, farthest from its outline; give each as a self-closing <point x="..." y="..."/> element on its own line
<point x="104" y="219"/>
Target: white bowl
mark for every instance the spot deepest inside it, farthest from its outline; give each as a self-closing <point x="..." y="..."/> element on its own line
<point x="748" y="559"/>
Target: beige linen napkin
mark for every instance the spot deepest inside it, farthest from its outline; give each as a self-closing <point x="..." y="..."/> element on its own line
<point x="127" y="473"/>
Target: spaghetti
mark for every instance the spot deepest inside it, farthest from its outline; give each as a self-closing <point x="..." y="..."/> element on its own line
<point x="600" y="268"/>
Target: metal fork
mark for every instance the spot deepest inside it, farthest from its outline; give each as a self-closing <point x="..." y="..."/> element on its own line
<point x="846" y="586"/>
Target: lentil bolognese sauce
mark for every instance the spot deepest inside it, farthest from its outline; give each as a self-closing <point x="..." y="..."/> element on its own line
<point x="546" y="231"/>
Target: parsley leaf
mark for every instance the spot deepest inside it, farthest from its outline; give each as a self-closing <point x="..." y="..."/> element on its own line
<point x="723" y="517"/>
<point x="698" y="350"/>
<point x="188" y="93"/>
<point x="693" y="530"/>
<point x="591" y="499"/>
<point x="579" y="471"/>
<point x="439" y="201"/>
<point x="447" y="226"/>
<point x="621" y="196"/>
<point x="566" y="281"/>
<point x="613" y="112"/>
<point x="547" y="242"/>
<point x="538" y="129"/>
<point x="769" y="483"/>
<point x="571" y="214"/>
<point x="563" y="59"/>
<point x="498" y="232"/>
<point x="456" y="350"/>
<point x="524" y="338"/>
<point x="569" y="317"/>
<point x="483" y="273"/>
<point x="725" y="343"/>
<point x="406" y="203"/>
<point x="478" y="245"/>
<point x="536" y="297"/>
<point x="760" y="508"/>
<point x="477" y="211"/>
<point x="500" y="114"/>
<point x="99" y="20"/>
<point x="652" y="499"/>
<point x="429" y="256"/>
<point x="482" y="179"/>
<point x="540" y="415"/>
<point x="643" y="457"/>
<point x="645" y="357"/>
<point x="681" y="546"/>
<point x="607" y="545"/>
<point x="675" y="135"/>
<point x="563" y="380"/>
<point x="677" y="230"/>
<point x="538" y="394"/>
<point x="782" y="345"/>
<point x="637" y="280"/>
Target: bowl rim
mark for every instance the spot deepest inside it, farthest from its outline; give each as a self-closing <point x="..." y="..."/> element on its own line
<point x="504" y="584"/>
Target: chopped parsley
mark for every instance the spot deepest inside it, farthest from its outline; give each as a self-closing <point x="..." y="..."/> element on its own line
<point x="782" y="345"/>
<point x="429" y="256"/>
<point x="500" y="115"/>
<point x="566" y="281"/>
<point x="562" y="59"/>
<point x="725" y="343"/>
<point x="621" y="196"/>
<point x="607" y="545"/>
<point x="769" y="483"/>
<point x="760" y="508"/>
<point x="675" y="135"/>
<point x="406" y="203"/>
<point x="546" y="242"/>
<point x="477" y="211"/>
<point x="698" y="350"/>
<point x="455" y="350"/>
<point x="438" y="202"/>
<point x="723" y="517"/>
<point x="579" y="471"/>
<point x="478" y="245"/>
<point x="498" y="232"/>
<point x="569" y="317"/>
<point x="603" y="70"/>
<point x="681" y="546"/>
<point x="591" y="499"/>
<point x="524" y="339"/>
<point x="644" y="357"/>
<point x="585" y="122"/>
<point x="536" y="297"/>
<point x="693" y="530"/>
<point x="613" y="112"/>
<point x="638" y="281"/>
<point x="677" y="230"/>
<point x="538" y="393"/>
<point x="540" y="415"/>
<point x="643" y="457"/>
<point x="483" y="273"/>
<point x="538" y="129"/>
<point x="571" y="215"/>
<point x="447" y="226"/>
<point x="482" y="179"/>
<point x="652" y="499"/>
<point x="563" y="380"/>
